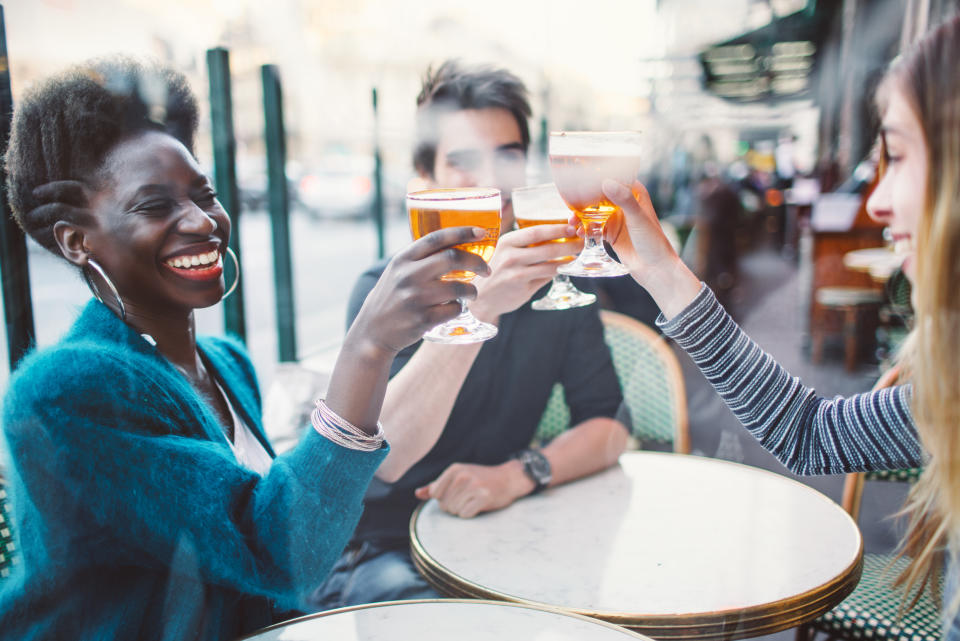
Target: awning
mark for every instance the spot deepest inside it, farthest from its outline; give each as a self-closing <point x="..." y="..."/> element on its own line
<point x="775" y="62"/>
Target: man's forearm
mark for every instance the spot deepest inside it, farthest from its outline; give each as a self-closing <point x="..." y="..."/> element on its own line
<point x="591" y="446"/>
<point x="418" y="402"/>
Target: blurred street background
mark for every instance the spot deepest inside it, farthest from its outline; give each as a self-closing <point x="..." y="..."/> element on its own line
<point x="615" y="66"/>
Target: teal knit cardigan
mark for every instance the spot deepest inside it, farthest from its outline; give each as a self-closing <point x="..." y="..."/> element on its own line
<point x="133" y="518"/>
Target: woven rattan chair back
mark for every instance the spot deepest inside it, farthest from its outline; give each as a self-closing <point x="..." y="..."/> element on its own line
<point x="652" y="384"/>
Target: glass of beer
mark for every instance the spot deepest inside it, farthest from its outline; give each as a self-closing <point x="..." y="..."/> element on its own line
<point x="580" y="161"/>
<point x="434" y="209"/>
<point x="542" y="205"/>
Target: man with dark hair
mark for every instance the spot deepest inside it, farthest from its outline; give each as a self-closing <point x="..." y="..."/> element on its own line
<point x="492" y="92"/>
<point x="475" y="408"/>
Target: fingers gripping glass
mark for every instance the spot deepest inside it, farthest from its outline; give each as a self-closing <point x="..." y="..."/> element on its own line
<point x="542" y="205"/>
<point x="580" y="161"/>
<point x="435" y="209"/>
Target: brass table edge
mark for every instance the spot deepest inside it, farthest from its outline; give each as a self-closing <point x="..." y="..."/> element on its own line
<point x="768" y="617"/>
<point x="370" y="606"/>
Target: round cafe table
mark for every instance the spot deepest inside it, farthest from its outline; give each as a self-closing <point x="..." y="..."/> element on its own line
<point x="444" y="620"/>
<point x="673" y="546"/>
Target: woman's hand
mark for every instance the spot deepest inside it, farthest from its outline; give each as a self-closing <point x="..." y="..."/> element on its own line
<point x="410" y="298"/>
<point x="635" y="231"/>
<point x="638" y="239"/>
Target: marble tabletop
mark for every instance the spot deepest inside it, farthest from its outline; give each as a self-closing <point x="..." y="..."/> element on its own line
<point x="445" y="620"/>
<point x="673" y="546"/>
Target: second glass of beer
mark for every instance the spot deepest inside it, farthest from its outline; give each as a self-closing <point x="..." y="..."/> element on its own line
<point x="542" y="205"/>
<point x="434" y="209"/>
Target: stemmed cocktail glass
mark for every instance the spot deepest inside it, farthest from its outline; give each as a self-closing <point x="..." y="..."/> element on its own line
<point x="580" y="161"/>
<point x="542" y="205"/>
<point x="434" y="209"/>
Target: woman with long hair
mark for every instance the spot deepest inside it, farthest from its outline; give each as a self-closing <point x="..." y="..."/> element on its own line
<point x="911" y="424"/>
<point x="147" y="500"/>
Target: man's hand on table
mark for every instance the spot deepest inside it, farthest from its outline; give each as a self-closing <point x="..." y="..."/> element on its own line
<point x="466" y="489"/>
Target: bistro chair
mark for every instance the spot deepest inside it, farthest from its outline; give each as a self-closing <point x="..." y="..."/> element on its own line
<point x="652" y="383"/>
<point x="7" y="547"/>
<point x="870" y="612"/>
<point x="857" y="307"/>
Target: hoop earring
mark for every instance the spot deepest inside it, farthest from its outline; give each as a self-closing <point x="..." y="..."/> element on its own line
<point x="236" y="281"/>
<point x="96" y="290"/>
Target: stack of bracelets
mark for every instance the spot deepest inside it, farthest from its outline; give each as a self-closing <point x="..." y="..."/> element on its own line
<point x="343" y="432"/>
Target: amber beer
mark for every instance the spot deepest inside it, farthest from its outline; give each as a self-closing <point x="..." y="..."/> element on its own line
<point x="580" y="161"/>
<point x="429" y="216"/>
<point x="425" y="220"/>
<point x="523" y="223"/>
<point x="579" y="179"/>
<point x="433" y="209"/>
<point x="541" y="205"/>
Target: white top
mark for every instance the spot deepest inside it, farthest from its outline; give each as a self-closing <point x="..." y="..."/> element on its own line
<point x="443" y="620"/>
<point x="246" y="447"/>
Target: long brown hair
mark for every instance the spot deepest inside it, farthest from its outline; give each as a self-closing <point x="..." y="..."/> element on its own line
<point x="927" y="77"/>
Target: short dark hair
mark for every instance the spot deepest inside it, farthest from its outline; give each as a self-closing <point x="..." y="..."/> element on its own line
<point x="63" y="129"/>
<point x="454" y="87"/>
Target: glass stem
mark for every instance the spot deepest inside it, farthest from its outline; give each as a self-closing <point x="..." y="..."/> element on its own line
<point x="594" y="236"/>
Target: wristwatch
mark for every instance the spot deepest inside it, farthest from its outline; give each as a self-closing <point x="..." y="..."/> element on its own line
<point x="537" y="467"/>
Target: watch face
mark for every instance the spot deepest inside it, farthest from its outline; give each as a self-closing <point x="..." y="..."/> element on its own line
<point x="537" y="466"/>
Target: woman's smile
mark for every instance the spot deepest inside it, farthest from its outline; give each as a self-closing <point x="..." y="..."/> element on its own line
<point x="196" y="266"/>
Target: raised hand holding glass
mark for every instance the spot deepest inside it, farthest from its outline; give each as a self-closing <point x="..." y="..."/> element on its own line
<point x="580" y="161"/>
<point x="434" y="209"/>
<point x="542" y="205"/>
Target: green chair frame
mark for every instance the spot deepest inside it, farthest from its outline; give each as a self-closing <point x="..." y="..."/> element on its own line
<point x="7" y="546"/>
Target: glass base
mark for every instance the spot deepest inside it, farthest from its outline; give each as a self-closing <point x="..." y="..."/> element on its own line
<point x="593" y="265"/>
<point x="465" y="328"/>
<point x="563" y="295"/>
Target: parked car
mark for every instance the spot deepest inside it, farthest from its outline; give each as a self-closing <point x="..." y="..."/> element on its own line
<point x="337" y="185"/>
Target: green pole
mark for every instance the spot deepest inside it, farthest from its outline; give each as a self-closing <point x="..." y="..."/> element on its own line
<point x="544" y="137"/>
<point x="378" y="217"/>
<point x="279" y="212"/>
<point x="225" y="175"/>
<point x="14" y="272"/>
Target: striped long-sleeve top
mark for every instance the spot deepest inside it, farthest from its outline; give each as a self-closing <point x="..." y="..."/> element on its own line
<point x="808" y="433"/>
